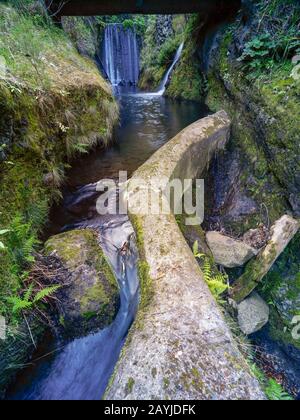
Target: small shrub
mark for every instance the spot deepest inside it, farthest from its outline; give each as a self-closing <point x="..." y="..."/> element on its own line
<point x="277" y="39"/>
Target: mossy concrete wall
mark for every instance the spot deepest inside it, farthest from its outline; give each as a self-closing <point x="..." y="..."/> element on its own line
<point x="180" y="346"/>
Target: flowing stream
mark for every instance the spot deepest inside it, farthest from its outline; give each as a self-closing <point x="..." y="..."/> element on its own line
<point x="80" y="370"/>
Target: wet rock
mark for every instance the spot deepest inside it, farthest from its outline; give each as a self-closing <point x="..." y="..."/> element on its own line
<point x="194" y="234"/>
<point x="253" y="314"/>
<point x="282" y="233"/>
<point x="91" y="300"/>
<point x="229" y="203"/>
<point x="229" y="252"/>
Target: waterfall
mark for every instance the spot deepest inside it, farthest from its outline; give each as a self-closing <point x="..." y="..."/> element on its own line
<point x="121" y="55"/>
<point x="165" y="80"/>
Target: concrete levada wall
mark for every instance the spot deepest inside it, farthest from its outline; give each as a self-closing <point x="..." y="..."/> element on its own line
<point x="180" y="346"/>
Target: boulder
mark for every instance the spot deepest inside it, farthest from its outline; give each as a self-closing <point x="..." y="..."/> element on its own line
<point x="91" y="299"/>
<point x="281" y="234"/>
<point x="253" y="314"/>
<point x="229" y="252"/>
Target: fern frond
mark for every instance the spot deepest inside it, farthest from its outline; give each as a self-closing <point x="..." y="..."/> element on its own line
<point x="28" y="293"/>
<point x="19" y="304"/>
<point x="275" y="392"/>
<point x="47" y="292"/>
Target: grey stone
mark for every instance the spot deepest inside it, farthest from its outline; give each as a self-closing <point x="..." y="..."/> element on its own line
<point x="229" y="252"/>
<point x="253" y="314"/>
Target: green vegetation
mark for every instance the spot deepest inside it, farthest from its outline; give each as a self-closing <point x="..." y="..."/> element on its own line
<point x="265" y="112"/>
<point x="136" y="22"/>
<point x="187" y="81"/>
<point x="155" y="57"/>
<point x="278" y="42"/>
<point x="28" y="301"/>
<point x="217" y="282"/>
<point x="281" y="289"/>
<point x="273" y="390"/>
<point x="53" y="105"/>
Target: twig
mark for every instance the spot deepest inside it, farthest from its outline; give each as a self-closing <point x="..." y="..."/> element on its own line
<point x="28" y="326"/>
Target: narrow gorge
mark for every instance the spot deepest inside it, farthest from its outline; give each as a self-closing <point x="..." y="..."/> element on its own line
<point x="149" y="215"/>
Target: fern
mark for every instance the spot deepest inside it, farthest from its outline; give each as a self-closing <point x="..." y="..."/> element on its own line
<point x="216" y="281"/>
<point x="272" y="388"/>
<point x="275" y="392"/>
<point x="19" y="304"/>
<point x="45" y="293"/>
<point x="81" y="148"/>
<point x="27" y="301"/>
<point x="21" y="242"/>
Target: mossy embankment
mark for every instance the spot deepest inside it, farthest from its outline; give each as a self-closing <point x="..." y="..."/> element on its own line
<point x="187" y="81"/>
<point x="54" y="104"/>
<point x="253" y="73"/>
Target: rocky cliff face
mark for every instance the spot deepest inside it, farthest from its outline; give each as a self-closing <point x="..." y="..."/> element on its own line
<point x="250" y="67"/>
<point x="263" y="161"/>
<point x="164" y="28"/>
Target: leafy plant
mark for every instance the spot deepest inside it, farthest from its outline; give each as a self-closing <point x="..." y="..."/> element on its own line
<point x="168" y="50"/>
<point x="21" y="242"/>
<point x="216" y="281"/>
<point x="275" y="392"/>
<point x="277" y="39"/>
<point x="28" y="301"/>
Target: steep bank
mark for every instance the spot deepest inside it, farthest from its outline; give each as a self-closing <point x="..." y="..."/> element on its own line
<point x="54" y="105"/>
<point x="253" y="74"/>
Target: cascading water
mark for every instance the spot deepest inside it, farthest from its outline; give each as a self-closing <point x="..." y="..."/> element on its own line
<point x="165" y="80"/>
<point x="120" y="55"/>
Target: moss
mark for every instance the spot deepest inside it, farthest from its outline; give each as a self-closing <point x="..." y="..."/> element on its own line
<point x="81" y="247"/>
<point x="146" y="283"/>
<point x="166" y="383"/>
<point x="281" y="330"/>
<point x="129" y="386"/>
<point x="254" y="272"/>
<point x="96" y="293"/>
<point x="265" y="120"/>
<point x="187" y="82"/>
<point x="281" y="289"/>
